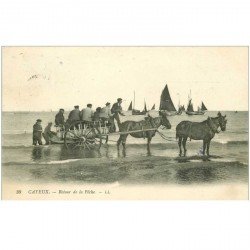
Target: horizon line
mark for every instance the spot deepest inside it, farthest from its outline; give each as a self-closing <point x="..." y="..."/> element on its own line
<point x="123" y="110"/>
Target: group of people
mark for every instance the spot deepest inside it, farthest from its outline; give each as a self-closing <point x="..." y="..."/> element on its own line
<point x="87" y="115"/>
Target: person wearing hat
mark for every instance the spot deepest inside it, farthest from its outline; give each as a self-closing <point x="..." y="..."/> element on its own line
<point x="87" y="114"/>
<point x="105" y="113"/>
<point x="117" y="108"/>
<point x="46" y="133"/>
<point x="96" y="117"/>
<point x="74" y="115"/>
<point x="107" y="117"/>
<point x="59" y="119"/>
<point x="37" y="132"/>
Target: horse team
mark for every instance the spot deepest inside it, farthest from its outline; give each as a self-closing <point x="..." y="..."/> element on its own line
<point x="204" y="130"/>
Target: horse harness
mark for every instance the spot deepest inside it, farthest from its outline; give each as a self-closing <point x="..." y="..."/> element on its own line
<point x="210" y="127"/>
<point x="213" y="129"/>
<point x="151" y="123"/>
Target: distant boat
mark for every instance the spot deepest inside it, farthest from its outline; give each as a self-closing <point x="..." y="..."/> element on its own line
<point x="136" y="111"/>
<point x="203" y="107"/>
<point x="145" y="110"/>
<point x="190" y="109"/>
<point x="133" y="111"/>
<point x="166" y="103"/>
<point x="180" y="109"/>
<point x="153" y="108"/>
<point x="130" y="106"/>
<point x="236" y="111"/>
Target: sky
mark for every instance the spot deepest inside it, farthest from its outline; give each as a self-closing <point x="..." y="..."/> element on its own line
<point x="49" y="78"/>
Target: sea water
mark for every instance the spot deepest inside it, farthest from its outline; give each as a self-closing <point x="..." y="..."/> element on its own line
<point x="20" y="158"/>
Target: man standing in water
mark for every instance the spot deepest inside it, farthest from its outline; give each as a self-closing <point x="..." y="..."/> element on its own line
<point x="46" y="133"/>
<point x="37" y="132"/>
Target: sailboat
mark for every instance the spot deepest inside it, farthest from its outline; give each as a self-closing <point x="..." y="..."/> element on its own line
<point x="190" y="109"/>
<point x="180" y="109"/>
<point x="166" y="102"/>
<point x="134" y="111"/>
<point x="153" y="108"/>
<point x="145" y="110"/>
<point x="203" y="107"/>
<point x="130" y="106"/>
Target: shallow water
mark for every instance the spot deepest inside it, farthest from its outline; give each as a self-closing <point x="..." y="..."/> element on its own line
<point x="25" y="163"/>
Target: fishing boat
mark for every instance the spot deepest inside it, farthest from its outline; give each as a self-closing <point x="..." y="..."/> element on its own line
<point x="134" y="111"/>
<point x="203" y="107"/>
<point x="180" y="109"/>
<point x="145" y="110"/>
<point x="166" y="103"/>
<point x="190" y="110"/>
<point x="130" y="108"/>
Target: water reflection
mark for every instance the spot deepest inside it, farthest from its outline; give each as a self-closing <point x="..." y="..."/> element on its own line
<point x="66" y="153"/>
<point x="196" y="175"/>
<point x="36" y="153"/>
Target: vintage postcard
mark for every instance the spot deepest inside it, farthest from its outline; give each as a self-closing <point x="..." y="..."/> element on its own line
<point x="133" y="123"/>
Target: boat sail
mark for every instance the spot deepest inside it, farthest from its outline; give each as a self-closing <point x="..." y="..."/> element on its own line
<point x="153" y="108"/>
<point x="203" y="107"/>
<point x="133" y="111"/>
<point x="130" y="106"/>
<point x="180" y="109"/>
<point x="190" y="109"/>
<point x="166" y="102"/>
<point x="145" y="110"/>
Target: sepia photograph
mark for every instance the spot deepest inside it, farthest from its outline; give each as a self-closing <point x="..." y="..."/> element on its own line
<point x="125" y="123"/>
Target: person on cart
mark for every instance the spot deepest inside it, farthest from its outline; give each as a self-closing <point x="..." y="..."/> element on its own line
<point x="87" y="114"/>
<point x="96" y="116"/>
<point x="107" y="117"/>
<point x="116" y="110"/>
<point x="37" y="132"/>
<point x="59" y="119"/>
<point x="74" y="116"/>
<point x="105" y="113"/>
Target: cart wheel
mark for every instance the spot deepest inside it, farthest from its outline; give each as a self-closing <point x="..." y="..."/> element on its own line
<point x="78" y="136"/>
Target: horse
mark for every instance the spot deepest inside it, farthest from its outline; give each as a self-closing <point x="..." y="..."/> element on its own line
<point x="205" y="131"/>
<point x="148" y="123"/>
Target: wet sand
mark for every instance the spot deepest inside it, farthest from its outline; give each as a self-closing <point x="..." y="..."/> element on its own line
<point x="141" y="177"/>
